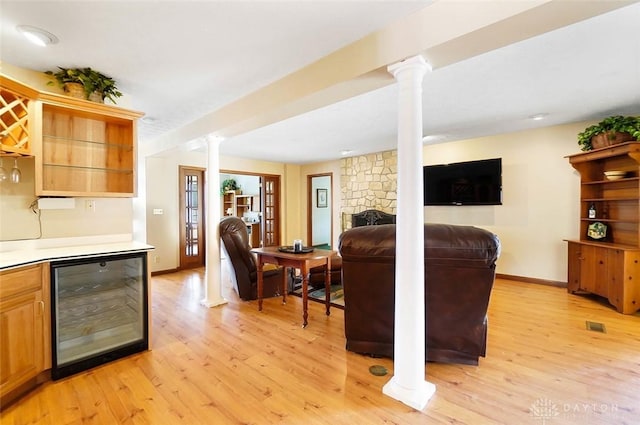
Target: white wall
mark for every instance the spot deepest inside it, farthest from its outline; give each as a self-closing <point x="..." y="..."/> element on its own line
<point x="250" y="185"/>
<point x="163" y="231"/>
<point x="112" y="216"/>
<point x="540" y="194"/>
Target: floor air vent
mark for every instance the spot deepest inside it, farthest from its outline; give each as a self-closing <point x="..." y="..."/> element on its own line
<point x="596" y="327"/>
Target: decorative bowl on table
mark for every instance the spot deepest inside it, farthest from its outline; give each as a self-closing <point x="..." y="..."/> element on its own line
<point x="290" y="249"/>
<point x="614" y="174"/>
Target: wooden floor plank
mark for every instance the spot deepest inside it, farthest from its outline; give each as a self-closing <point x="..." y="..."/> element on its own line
<point x="235" y="365"/>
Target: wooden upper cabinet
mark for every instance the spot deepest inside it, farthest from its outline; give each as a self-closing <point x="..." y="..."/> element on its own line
<point x="88" y="151"/>
<point x="16" y="123"/>
<point x="81" y="148"/>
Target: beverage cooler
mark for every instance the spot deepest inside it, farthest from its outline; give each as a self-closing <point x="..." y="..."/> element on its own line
<point x="99" y="311"/>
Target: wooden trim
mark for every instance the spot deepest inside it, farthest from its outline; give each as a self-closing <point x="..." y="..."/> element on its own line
<point x="88" y="106"/>
<point x="18" y="87"/>
<point x="628" y="148"/>
<point x="537" y="281"/>
<point x="167" y="271"/>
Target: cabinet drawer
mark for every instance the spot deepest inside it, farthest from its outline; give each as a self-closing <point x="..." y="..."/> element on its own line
<point x="18" y="281"/>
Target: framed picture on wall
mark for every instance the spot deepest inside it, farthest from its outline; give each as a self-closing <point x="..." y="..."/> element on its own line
<point x="321" y="198"/>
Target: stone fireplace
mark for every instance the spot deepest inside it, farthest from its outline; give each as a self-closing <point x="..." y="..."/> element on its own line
<point x="368" y="182"/>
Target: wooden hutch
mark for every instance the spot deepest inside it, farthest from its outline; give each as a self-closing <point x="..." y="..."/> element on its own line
<point x="608" y="266"/>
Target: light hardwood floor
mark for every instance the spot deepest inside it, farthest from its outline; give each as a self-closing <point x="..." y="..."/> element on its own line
<point x="235" y="365"/>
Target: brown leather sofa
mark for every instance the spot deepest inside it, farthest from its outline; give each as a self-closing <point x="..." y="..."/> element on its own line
<point x="316" y="274"/>
<point x="363" y="218"/>
<point x="459" y="274"/>
<point x="234" y="235"/>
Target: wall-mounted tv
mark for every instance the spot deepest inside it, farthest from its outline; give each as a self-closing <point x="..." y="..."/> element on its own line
<point x="464" y="183"/>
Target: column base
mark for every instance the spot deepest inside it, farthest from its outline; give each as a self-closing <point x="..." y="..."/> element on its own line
<point x="212" y="303"/>
<point x="416" y="398"/>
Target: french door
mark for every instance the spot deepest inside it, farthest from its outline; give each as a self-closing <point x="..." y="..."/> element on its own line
<point x="192" y="225"/>
<point x="270" y="210"/>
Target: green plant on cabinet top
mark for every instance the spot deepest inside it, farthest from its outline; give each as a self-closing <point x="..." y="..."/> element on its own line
<point x="610" y="126"/>
<point x="91" y="81"/>
<point x="227" y="185"/>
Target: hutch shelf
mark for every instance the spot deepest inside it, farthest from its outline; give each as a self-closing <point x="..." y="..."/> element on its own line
<point x="236" y="205"/>
<point x="609" y="265"/>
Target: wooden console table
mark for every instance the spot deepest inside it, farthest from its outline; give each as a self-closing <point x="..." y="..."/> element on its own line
<point x="304" y="262"/>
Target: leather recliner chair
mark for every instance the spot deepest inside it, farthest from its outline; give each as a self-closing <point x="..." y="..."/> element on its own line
<point x="234" y="235"/>
<point x="459" y="264"/>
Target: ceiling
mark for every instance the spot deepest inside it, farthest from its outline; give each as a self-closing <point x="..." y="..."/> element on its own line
<point x="179" y="61"/>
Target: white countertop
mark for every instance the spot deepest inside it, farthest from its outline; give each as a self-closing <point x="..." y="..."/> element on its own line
<point x="31" y="255"/>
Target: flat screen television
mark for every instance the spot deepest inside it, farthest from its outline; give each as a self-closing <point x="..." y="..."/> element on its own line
<point x="464" y="183"/>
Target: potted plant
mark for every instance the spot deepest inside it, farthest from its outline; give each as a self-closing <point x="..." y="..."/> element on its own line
<point x="229" y="185"/>
<point x="610" y="131"/>
<point x="89" y="84"/>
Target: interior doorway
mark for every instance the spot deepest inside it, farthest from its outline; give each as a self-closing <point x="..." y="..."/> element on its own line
<point x="261" y="194"/>
<point x="192" y="213"/>
<point x="319" y="210"/>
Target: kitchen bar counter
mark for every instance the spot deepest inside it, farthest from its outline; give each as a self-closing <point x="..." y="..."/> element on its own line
<point x="25" y="255"/>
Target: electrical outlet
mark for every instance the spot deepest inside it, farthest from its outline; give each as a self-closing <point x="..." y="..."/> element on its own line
<point x="90" y="205"/>
<point x="156" y="259"/>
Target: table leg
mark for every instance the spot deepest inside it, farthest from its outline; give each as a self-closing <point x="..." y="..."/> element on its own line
<point x="305" y="294"/>
<point x="260" y="281"/>
<point x="327" y="286"/>
<point x="284" y="285"/>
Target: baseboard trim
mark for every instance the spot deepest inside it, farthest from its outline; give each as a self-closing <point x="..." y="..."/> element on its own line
<point x="532" y="280"/>
<point x="158" y="272"/>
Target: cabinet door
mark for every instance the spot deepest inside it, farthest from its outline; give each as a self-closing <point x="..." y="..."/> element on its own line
<point x="625" y="286"/>
<point x="593" y="270"/>
<point x="22" y="327"/>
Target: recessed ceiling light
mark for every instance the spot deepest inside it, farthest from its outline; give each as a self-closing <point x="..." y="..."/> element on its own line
<point x="148" y="120"/>
<point x="433" y="138"/>
<point x="37" y="36"/>
<point x="345" y="152"/>
<point x="538" y="117"/>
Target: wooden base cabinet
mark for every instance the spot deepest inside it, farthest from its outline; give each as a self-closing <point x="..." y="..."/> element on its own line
<point x="609" y="272"/>
<point x="25" y="344"/>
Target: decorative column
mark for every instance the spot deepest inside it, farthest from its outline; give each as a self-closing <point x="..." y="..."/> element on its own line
<point x="213" y="266"/>
<point x="408" y="384"/>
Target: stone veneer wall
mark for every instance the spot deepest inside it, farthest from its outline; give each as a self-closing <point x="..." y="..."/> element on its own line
<point x="368" y="182"/>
